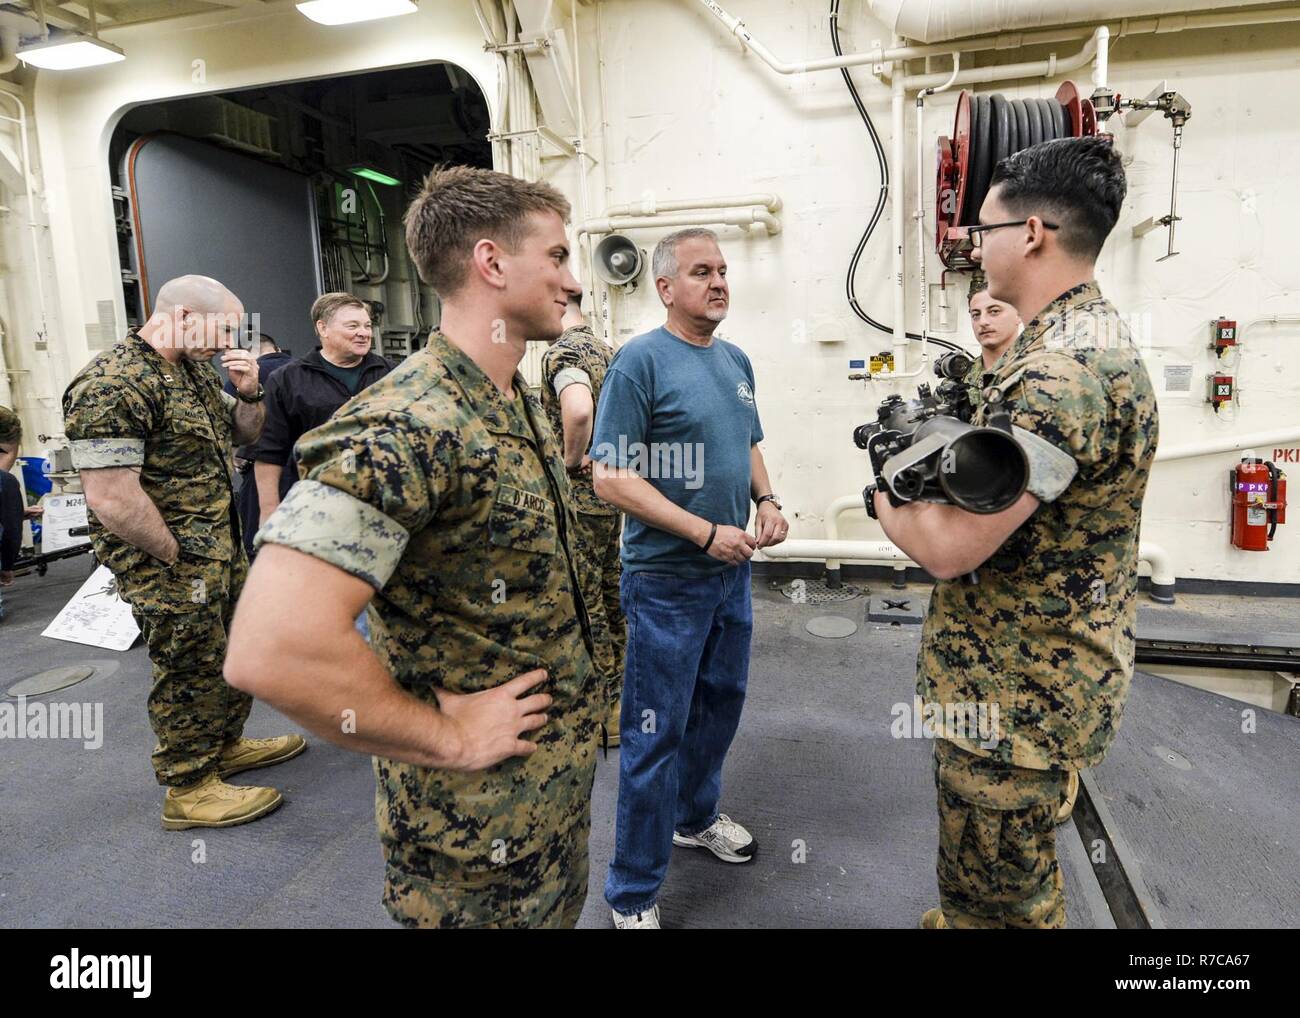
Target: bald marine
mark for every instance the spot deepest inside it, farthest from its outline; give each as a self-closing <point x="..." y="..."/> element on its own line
<point x="194" y="317"/>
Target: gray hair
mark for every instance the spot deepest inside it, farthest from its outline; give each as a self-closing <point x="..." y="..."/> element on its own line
<point x="664" y="262"/>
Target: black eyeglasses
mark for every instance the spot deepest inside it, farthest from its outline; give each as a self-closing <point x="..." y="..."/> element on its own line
<point x="976" y="233"/>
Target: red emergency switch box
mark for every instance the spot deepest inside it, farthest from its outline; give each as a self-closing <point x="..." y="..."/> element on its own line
<point x="1223" y="334"/>
<point x="1220" y="391"/>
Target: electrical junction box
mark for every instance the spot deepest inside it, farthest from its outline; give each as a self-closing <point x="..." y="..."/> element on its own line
<point x="1220" y="391"/>
<point x="1223" y="334"/>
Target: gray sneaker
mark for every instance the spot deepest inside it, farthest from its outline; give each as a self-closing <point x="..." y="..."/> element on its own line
<point x="637" y="921"/>
<point x="724" y="838"/>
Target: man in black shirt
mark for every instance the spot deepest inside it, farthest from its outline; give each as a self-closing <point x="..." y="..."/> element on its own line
<point x="306" y="393"/>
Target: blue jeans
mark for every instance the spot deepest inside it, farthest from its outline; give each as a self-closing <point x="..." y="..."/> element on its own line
<point x="684" y="684"/>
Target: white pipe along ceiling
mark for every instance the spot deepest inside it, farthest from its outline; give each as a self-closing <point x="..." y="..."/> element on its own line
<point x="942" y="20"/>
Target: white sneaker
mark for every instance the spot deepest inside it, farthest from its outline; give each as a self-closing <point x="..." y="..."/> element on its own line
<point x="724" y="838"/>
<point x="637" y="921"/>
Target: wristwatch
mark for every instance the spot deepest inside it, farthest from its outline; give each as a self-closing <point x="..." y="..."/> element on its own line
<point x="261" y="394"/>
<point x="767" y="498"/>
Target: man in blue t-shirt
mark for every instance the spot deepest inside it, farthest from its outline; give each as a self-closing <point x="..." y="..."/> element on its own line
<point x="676" y="448"/>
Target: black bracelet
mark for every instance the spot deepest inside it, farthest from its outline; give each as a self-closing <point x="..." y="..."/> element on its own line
<point x="712" y="534"/>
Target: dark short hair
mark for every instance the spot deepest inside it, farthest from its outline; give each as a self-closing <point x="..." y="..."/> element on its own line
<point x="11" y="427"/>
<point x="1077" y="182"/>
<point x="457" y="206"/>
<point x="263" y="338"/>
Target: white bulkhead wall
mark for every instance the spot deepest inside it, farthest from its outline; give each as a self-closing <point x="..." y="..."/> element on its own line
<point x="676" y="109"/>
<point x="689" y="113"/>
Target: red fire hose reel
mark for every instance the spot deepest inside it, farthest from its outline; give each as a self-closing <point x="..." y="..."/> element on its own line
<point x="1258" y="503"/>
<point x="989" y="128"/>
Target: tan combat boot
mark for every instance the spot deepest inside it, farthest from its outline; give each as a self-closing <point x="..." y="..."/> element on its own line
<point x="934" y="920"/>
<point x="249" y="754"/>
<point x="213" y="803"/>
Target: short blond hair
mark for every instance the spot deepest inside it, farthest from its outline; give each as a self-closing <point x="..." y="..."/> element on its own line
<point x="458" y="206"/>
<point x="327" y="305"/>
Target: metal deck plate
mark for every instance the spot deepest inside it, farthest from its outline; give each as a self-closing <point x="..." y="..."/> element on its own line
<point x="897" y="609"/>
<point x="49" y="681"/>
<point x="831" y="627"/>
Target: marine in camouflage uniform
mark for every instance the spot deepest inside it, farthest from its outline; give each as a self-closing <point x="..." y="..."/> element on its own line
<point x="579" y="358"/>
<point x="1048" y="633"/>
<point x="130" y="407"/>
<point x="974" y="380"/>
<point x="452" y="502"/>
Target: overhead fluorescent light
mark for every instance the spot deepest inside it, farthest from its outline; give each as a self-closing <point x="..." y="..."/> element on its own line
<point x="66" y="54"/>
<point x="370" y="173"/>
<point x="348" y="12"/>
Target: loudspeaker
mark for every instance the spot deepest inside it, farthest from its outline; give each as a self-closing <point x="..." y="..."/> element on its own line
<point x="618" y="260"/>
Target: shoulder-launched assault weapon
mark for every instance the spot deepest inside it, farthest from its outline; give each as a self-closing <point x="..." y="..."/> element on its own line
<point x="926" y="449"/>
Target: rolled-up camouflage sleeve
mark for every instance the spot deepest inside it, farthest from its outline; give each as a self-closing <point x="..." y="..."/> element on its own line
<point x="562" y="367"/>
<point x="107" y="421"/>
<point x="369" y="483"/>
<point x="1062" y="404"/>
<point x="568" y="377"/>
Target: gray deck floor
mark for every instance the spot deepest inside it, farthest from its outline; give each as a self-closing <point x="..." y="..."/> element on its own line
<point x="1209" y="807"/>
<point x="814" y="766"/>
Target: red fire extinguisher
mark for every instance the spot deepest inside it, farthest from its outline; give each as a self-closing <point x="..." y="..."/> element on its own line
<point x="1258" y="503"/>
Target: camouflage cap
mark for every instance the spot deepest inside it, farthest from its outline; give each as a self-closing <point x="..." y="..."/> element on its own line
<point x="11" y="428"/>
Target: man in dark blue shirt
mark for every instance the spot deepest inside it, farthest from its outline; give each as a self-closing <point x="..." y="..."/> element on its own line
<point x="676" y="448"/>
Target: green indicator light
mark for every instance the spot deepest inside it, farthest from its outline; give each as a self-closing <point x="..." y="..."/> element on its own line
<point x="367" y="173"/>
